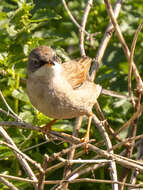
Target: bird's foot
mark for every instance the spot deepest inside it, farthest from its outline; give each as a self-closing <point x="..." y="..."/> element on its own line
<point x="47" y="128"/>
<point x="86" y="140"/>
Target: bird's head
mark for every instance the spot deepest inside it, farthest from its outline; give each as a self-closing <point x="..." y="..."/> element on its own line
<point x="42" y="56"/>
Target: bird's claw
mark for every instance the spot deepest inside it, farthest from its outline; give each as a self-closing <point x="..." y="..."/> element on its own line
<point x="86" y="140"/>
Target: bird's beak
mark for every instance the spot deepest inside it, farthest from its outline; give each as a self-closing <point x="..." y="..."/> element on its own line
<point x="50" y="63"/>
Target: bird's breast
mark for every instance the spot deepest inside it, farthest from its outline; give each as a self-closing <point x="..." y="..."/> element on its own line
<point x="52" y="98"/>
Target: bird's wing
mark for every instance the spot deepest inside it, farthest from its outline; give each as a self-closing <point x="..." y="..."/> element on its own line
<point x="76" y="71"/>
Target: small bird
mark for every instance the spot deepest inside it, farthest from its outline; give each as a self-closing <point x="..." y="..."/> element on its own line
<point x="61" y="90"/>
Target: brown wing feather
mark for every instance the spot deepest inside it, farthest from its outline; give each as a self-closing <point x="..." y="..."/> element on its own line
<point x="76" y="70"/>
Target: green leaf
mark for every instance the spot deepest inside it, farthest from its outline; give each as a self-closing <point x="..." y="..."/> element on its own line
<point x="26" y="116"/>
<point x="3" y="15"/>
<point x="20" y="95"/>
<point x="42" y="15"/>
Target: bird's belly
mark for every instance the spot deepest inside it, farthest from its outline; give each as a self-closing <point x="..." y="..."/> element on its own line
<point x="59" y="107"/>
<point x="48" y="101"/>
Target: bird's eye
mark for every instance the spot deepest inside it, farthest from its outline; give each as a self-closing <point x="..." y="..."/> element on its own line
<point x="41" y="63"/>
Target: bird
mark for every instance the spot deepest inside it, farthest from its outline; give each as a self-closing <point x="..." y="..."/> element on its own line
<point x="61" y="90"/>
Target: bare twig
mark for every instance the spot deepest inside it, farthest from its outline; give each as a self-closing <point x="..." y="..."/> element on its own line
<point x="7" y="113"/>
<point x="80" y="161"/>
<point x="61" y="164"/>
<point x="120" y="159"/>
<point x="105" y="40"/>
<point x="102" y="118"/>
<point x="22" y="161"/>
<point x="127" y="141"/>
<point x="42" y="174"/>
<point x="9" y="108"/>
<point x="72" y="151"/>
<point x="131" y="62"/>
<point x="8" y="184"/>
<point x="113" y="170"/>
<point x="86" y="180"/>
<point x="73" y="19"/>
<point x="129" y="122"/>
<point x="83" y="24"/>
<point x="124" y="45"/>
<point x="64" y="151"/>
<point x="115" y="94"/>
<point x="19" y="178"/>
<point x="35" y="146"/>
<point x="15" y="149"/>
<point x="139" y="157"/>
<point x="23" y="125"/>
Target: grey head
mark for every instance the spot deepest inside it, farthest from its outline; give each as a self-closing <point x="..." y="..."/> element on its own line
<point x="40" y="56"/>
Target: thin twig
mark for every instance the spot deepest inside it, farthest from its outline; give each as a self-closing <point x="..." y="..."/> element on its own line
<point x="113" y="169"/>
<point x="60" y="165"/>
<point x="22" y="161"/>
<point x="129" y="122"/>
<point x="80" y="161"/>
<point x="75" y="140"/>
<point x="127" y="141"/>
<point x="124" y="45"/>
<point x="23" y="125"/>
<point x="139" y="157"/>
<point x="131" y="61"/>
<point x="15" y="149"/>
<point x="73" y="19"/>
<point x="83" y="24"/>
<point x="7" y="113"/>
<point x="105" y="40"/>
<point x="7" y="183"/>
<point x="120" y="159"/>
<point x="102" y="118"/>
<point x="86" y="180"/>
<point x="71" y="153"/>
<point x="42" y="174"/>
<point x="9" y="108"/>
<point x="19" y="178"/>
<point x="64" y="151"/>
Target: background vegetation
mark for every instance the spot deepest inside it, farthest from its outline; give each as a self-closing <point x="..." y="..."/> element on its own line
<point x="26" y="24"/>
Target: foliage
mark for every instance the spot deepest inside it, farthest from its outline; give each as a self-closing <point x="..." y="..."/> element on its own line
<point x="26" y="24"/>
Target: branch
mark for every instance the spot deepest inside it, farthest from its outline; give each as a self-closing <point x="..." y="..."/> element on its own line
<point x="15" y="149"/>
<point x="120" y="159"/>
<point x="86" y="180"/>
<point x="80" y="161"/>
<point x="19" y="178"/>
<point x="42" y="174"/>
<point x="134" y="117"/>
<point x="124" y="45"/>
<point x="22" y="161"/>
<point x="7" y="183"/>
<point x="113" y="170"/>
<point x="23" y="125"/>
<point x="71" y="153"/>
<point x="73" y="19"/>
<point x="131" y="62"/>
<point x="105" y="40"/>
<point x="83" y="24"/>
<point x="9" y="108"/>
<point x="7" y="113"/>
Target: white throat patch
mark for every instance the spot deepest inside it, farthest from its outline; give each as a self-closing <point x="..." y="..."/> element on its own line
<point x="57" y="70"/>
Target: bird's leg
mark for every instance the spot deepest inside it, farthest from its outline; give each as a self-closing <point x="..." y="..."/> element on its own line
<point x="86" y="136"/>
<point x="47" y="127"/>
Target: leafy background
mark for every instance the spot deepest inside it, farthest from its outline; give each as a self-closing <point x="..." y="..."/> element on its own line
<point x="26" y="24"/>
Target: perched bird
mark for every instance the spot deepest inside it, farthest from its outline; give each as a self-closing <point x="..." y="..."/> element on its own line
<point x="61" y="90"/>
